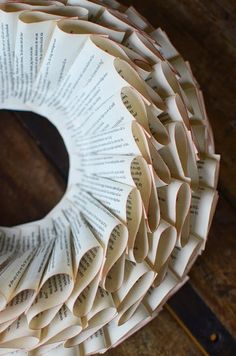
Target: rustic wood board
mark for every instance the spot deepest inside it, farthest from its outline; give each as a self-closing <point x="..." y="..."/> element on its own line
<point x="213" y="275"/>
<point x="30" y="184"/>
<point x="163" y="336"/>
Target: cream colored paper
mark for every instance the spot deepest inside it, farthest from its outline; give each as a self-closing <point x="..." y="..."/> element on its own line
<point x="141" y="189"/>
<point x="175" y="202"/>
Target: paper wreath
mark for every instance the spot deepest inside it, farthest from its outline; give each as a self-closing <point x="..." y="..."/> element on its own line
<point x="142" y="180"/>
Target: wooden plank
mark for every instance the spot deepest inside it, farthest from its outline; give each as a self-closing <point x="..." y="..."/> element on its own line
<point x="200" y="322"/>
<point x="30" y="185"/>
<point x="51" y="144"/>
<point x="214" y="272"/>
<point x="162" y="336"/>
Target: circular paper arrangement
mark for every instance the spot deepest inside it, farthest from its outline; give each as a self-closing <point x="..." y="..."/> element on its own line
<point x="142" y="181"/>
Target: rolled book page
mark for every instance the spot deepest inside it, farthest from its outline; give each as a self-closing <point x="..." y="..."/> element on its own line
<point x="202" y="207"/>
<point x="10" y="240"/>
<point x="161" y="172"/>
<point x="103" y="311"/>
<point x="119" y="50"/>
<point x="32" y="37"/>
<point x="137" y="42"/>
<point x="57" y="348"/>
<point x="112" y="234"/>
<point x="157" y="295"/>
<point x="116" y="333"/>
<point x="88" y="259"/>
<point x="176" y="110"/>
<point x="56" y="284"/>
<point x="116" y="197"/>
<point x="11" y="273"/>
<point x="91" y="28"/>
<point x="208" y="168"/>
<point x="138" y="19"/>
<point x="175" y="154"/>
<point x="161" y="273"/>
<point x="63" y="326"/>
<point x="138" y="279"/>
<point x="93" y="8"/>
<point x="183" y="258"/>
<point x="19" y="335"/>
<point x="141" y="188"/>
<point x="161" y="245"/>
<point x="115" y="19"/>
<point x="175" y="202"/>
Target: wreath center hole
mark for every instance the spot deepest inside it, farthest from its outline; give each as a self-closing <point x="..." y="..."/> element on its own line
<point x="34" y="166"/>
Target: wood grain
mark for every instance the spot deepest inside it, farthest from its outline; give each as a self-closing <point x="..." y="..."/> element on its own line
<point x="163" y="336"/>
<point x="214" y="272"/>
<point x="30" y="185"/>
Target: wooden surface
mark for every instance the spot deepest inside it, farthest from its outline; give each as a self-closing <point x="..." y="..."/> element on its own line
<point x="30" y="185"/>
<point x="204" y="32"/>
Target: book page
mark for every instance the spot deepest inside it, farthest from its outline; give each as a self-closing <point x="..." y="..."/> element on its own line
<point x="63" y="326"/>
<point x="115" y="19"/>
<point x="141" y="189"/>
<point x="10" y="242"/>
<point x="156" y="296"/>
<point x="9" y="14"/>
<point x="19" y="335"/>
<point x="208" y="168"/>
<point x="83" y="296"/>
<point x="138" y="19"/>
<point x="111" y="233"/>
<point x="11" y="273"/>
<point x="32" y="37"/>
<point x="119" y="109"/>
<point x="56" y="61"/>
<point x="160" y="136"/>
<point x="96" y="70"/>
<point x="162" y="273"/>
<point x="59" y="350"/>
<point x="202" y="208"/>
<point x="117" y="168"/>
<point x="91" y="28"/>
<point x="167" y="48"/>
<point x="175" y="154"/>
<point x="88" y="259"/>
<point x="95" y="343"/>
<point x="116" y="333"/>
<point x="176" y="111"/>
<point x="93" y="8"/>
<point x="122" y="200"/>
<point x="139" y="43"/>
<point x="161" y="245"/>
<point x="175" y="200"/>
<point x="137" y="280"/>
<point x="163" y="80"/>
<point x="102" y="312"/>
<point x="183" y="258"/>
<point x="161" y="171"/>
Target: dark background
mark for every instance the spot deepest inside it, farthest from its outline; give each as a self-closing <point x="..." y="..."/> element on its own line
<point x="204" y="32"/>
